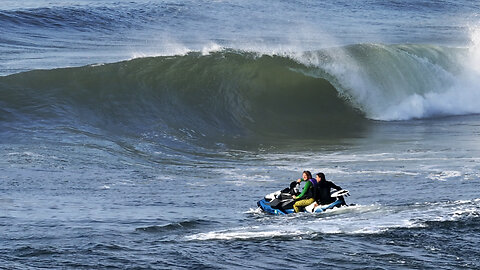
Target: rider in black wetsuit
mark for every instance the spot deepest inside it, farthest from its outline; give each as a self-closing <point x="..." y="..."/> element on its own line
<point x="323" y="190"/>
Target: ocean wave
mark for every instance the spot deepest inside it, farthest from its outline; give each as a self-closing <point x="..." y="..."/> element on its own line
<point x="224" y="93"/>
<point x="329" y="92"/>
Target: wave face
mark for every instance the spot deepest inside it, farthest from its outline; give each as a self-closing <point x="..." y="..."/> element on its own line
<point x="226" y="93"/>
<point x="330" y="92"/>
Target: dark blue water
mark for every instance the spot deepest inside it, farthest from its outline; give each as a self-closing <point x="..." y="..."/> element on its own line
<point x="141" y="134"/>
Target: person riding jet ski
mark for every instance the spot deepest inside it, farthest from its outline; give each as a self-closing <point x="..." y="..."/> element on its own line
<point x="316" y="190"/>
<point x="307" y="196"/>
<point x="323" y="190"/>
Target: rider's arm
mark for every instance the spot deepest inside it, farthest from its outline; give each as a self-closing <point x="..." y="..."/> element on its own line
<point x="335" y="186"/>
<point x="305" y="189"/>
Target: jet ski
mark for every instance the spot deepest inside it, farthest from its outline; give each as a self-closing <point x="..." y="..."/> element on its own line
<point x="281" y="202"/>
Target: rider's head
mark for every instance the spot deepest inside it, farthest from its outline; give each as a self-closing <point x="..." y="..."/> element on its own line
<point x="307" y="175"/>
<point x="321" y="177"/>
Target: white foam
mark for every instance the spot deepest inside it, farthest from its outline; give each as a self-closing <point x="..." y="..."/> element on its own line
<point x="459" y="94"/>
<point x="242" y="233"/>
<point x="233" y="235"/>
<point x="360" y="219"/>
<point x="25" y="153"/>
<point x="387" y="172"/>
<point x="392" y="83"/>
<point x="211" y="47"/>
<point x="474" y="48"/>
<point x="257" y="211"/>
<point x="444" y="175"/>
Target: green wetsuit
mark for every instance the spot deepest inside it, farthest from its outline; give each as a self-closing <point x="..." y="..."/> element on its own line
<point x="305" y="198"/>
<point x="305" y="190"/>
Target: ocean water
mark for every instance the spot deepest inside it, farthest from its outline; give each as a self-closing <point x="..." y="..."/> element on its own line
<point x="141" y="134"/>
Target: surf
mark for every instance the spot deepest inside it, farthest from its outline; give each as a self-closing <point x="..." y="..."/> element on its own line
<point x="227" y="93"/>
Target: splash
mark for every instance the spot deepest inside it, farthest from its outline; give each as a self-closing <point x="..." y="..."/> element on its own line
<point x="354" y="220"/>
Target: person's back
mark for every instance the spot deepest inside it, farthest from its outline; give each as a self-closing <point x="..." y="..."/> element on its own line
<point x="323" y="195"/>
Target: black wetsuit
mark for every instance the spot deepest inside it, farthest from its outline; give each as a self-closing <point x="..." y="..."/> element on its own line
<point x="323" y="192"/>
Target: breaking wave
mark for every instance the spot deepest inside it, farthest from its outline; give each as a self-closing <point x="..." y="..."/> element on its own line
<point x="329" y="92"/>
